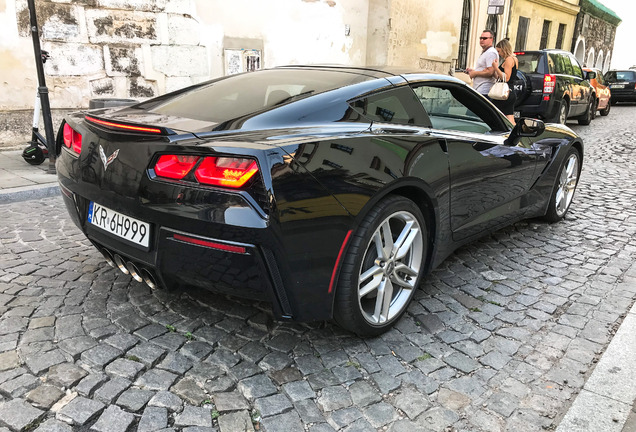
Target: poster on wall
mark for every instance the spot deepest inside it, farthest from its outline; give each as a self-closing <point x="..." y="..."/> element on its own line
<point x="242" y="60"/>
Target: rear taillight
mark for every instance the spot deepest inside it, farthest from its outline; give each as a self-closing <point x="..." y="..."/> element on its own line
<point x="72" y="138"/>
<point x="226" y="171"/>
<point x="549" y="82"/>
<point x="231" y="172"/>
<point x="175" y="166"/>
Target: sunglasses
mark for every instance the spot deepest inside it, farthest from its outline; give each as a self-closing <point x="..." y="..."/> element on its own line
<point x="484" y="38"/>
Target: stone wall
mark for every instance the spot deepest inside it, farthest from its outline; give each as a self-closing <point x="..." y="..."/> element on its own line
<point x="142" y="48"/>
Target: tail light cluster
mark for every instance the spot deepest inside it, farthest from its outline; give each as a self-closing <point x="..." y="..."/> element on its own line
<point x="72" y="138"/>
<point x="549" y="83"/>
<point x="231" y="172"/>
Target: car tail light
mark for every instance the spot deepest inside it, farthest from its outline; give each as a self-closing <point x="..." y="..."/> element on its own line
<point x="72" y="138"/>
<point x="175" y="166"/>
<point x="549" y="82"/>
<point x="226" y="171"/>
<point x="123" y="126"/>
<point x="520" y="53"/>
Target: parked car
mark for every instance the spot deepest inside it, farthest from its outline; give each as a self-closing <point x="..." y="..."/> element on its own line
<point x="623" y="85"/>
<point x="552" y="86"/>
<point x="603" y="92"/>
<point x="329" y="192"/>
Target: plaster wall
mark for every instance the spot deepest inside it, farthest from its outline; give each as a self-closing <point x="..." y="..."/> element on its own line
<point x="556" y="11"/>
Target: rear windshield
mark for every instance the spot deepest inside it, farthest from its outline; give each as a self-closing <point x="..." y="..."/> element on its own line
<point x="620" y="76"/>
<point x="249" y="93"/>
<point x="529" y="62"/>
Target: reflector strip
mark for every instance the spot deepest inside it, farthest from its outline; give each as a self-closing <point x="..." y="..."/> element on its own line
<point x="335" y="267"/>
<point x="210" y="244"/>
<point x="122" y="126"/>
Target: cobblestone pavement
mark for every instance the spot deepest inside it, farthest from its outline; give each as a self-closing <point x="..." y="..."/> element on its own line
<point x="500" y="338"/>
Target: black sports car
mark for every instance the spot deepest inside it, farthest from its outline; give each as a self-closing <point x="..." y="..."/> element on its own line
<point x="328" y="191"/>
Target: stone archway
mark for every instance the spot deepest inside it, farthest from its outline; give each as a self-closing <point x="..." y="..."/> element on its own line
<point x="599" y="60"/>
<point x="608" y="61"/>
<point x="589" y="62"/>
<point x="579" y="51"/>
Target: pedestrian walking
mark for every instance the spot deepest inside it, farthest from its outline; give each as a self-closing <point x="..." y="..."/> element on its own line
<point x="506" y="71"/>
<point x="483" y="75"/>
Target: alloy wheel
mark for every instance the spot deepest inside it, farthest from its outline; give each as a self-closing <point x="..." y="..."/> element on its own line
<point x="563" y="114"/>
<point x="390" y="268"/>
<point x="567" y="184"/>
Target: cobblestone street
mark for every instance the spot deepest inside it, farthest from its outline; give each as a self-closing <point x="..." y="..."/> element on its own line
<point x="501" y="337"/>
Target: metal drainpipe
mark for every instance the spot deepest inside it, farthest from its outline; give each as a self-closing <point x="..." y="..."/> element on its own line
<point x="43" y="91"/>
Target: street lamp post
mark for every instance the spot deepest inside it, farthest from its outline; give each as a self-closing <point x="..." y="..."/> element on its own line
<point x="43" y="91"/>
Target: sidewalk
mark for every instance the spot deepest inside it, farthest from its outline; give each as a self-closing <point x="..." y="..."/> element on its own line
<point x="20" y="181"/>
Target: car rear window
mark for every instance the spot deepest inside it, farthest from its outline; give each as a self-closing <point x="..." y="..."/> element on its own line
<point x="241" y="95"/>
<point x="621" y="76"/>
<point x="529" y="62"/>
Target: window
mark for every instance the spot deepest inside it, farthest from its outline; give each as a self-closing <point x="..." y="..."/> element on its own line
<point x="545" y="34"/>
<point x="576" y="67"/>
<point x="560" y="36"/>
<point x="462" y="55"/>
<point x="399" y="106"/>
<point x="560" y="64"/>
<point x="522" y="33"/>
<point x="451" y="107"/>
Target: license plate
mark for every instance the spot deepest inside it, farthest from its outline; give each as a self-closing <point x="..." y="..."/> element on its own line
<point x="617" y="86"/>
<point x="119" y="224"/>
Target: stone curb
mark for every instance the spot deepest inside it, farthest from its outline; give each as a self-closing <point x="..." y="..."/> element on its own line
<point x="605" y="401"/>
<point x="25" y="193"/>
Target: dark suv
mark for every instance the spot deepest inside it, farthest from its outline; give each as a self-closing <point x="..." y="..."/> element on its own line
<point x="622" y="83"/>
<point x="552" y="86"/>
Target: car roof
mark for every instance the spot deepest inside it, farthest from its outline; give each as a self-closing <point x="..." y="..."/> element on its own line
<point x="410" y="74"/>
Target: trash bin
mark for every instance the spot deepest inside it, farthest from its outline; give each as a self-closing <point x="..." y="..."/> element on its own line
<point x="110" y="102"/>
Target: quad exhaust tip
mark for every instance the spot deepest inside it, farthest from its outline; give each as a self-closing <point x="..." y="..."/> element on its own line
<point x="108" y="257"/>
<point x="119" y="261"/>
<point x="149" y="279"/>
<point x="134" y="271"/>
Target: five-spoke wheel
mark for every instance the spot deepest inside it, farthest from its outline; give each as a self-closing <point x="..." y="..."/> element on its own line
<point x="382" y="268"/>
<point x="565" y="186"/>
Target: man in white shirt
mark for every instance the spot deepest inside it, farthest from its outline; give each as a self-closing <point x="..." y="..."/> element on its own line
<point x="483" y="73"/>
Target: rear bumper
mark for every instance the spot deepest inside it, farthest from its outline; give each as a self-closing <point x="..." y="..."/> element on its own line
<point x="266" y="271"/>
<point x="545" y="110"/>
<point x="624" y="95"/>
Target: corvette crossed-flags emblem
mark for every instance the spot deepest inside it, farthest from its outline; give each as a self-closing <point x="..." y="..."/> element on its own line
<point x="107" y="161"/>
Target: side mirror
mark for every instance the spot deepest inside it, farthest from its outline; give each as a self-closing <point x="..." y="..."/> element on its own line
<point x="590" y="75"/>
<point x="525" y="127"/>
<point x="529" y="127"/>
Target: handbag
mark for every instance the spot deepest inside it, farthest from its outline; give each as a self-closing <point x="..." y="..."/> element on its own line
<point x="500" y="89"/>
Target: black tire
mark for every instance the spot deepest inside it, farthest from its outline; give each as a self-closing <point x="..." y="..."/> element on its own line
<point x="605" y="111"/>
<point x="561" y="116"/>
<point x="594" y="108"/>
<point x="564" y="186"/>
<point x="358" y="305"/>
<point x="586" y="118"/>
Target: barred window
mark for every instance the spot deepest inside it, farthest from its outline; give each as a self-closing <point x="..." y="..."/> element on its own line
<point x="545" y="34"/>
<point x="522" y="33"/>
<point x="560" y="36"/>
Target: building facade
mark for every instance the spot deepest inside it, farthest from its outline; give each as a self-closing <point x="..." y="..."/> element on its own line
<point x="594" y="34"/>
<point x="143" y="48"/>
<point x="539" y="24"/>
